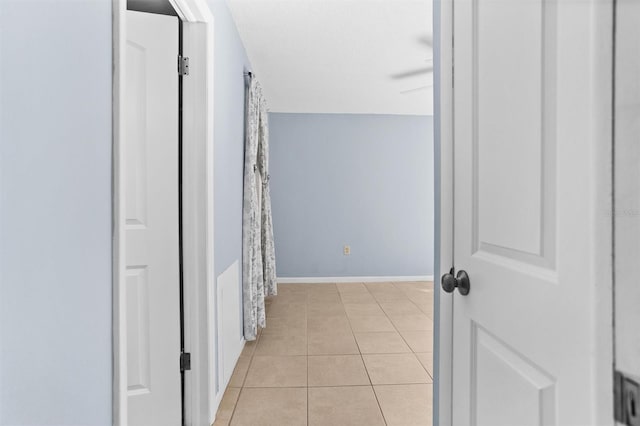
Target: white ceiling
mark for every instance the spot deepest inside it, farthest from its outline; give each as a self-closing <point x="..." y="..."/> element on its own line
<point x="339" y="56"/>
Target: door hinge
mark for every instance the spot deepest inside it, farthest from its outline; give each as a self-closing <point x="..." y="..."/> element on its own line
<point x="626" y="400"/>
<point x="185" y="361"/>
<point x="183" y="65"/>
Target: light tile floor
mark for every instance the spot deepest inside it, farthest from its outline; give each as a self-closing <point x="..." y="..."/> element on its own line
<point x="353" y="354"/>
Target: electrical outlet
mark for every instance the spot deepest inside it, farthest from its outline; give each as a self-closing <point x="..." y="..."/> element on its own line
<point x="346" y="250"/>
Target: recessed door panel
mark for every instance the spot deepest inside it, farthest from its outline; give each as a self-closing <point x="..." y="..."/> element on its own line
<point x="136" y="130"/>
<point x="509" y="390"/>
<point x="138" y="356"/>
<point x="513" y="96"/>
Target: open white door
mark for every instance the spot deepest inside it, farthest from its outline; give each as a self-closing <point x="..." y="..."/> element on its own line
<point x="527" y="143"/>
<point x="151" y="190"/>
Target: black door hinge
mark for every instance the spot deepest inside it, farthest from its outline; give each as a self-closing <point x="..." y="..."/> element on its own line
<point x="185" y="361"/>
<point x="627" y="400"/>
<point x="183" y="65"/>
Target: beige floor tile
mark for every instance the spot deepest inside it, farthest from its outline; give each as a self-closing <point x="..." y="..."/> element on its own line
<point x="419" y="341"/>
<point x="381" y="343"/>
<point x="419" y="295"/>
<point x="389" y="296"/>
<point x="227" y="405"/>
<point x="290" y="298"/>
<point x="426" y="359"/>
<point x="428" y="313"/>
<point x="325" y="309"/>
<point x="332" y="344"/>
<point x="415" y="285"/>
<point x="380" y="286"/>
<point x="297" y="309"/>
<point x="293" y="319"/>
<point x="277" y="372"/>
<point x="357" y="297"/>
<point x="277" y="344"/>
<point x="400" y="308"/>
<point x="425" y="296"/>
<point x="240" y="372"/>
<point x="290" y="325"/>
<point x="329" y="324"/>
<point x="363" y="309"/>
<point x="286" y="288"/>
<point x="426" y="308"/>
<point x="371" y="324"/>
<point x="271" y="407"/>
<point x="391" y="369"/>
<point x="249" y="348"/>
<point x="406" y="405"/>
<point x="324" y="297"/>
<point x="344" y="406"/>
<point x="351" y="288"/>
<point x="310" y="353"/>
<point x="337" y="370"/>
<point x="418" y="322"/>
<point x="319" y="287"/>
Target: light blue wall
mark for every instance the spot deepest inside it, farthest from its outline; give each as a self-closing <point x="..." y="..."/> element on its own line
<point x="55" y="212"/>
<point x="361" y="180"/>
<point x="230" y="62"/>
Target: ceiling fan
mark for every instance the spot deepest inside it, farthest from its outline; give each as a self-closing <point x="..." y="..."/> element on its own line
<point x="427" y="41"/>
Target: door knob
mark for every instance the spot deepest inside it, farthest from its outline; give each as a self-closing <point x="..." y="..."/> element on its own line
<point x="461" y="281"/>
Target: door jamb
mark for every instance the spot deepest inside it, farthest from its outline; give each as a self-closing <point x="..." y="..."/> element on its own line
<point x="197" y="212"/>
<point x="443" y="129"/>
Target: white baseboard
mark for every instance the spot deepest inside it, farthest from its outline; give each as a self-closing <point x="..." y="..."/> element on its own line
<point x="312" y="280"/>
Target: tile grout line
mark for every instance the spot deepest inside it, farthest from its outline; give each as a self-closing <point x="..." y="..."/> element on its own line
<point x="375" y="395"/>
<point x="244" y="380"/>
<point x="405" y="340"/>
<point x="308" y="387"/>
<point x="410" y="300"/>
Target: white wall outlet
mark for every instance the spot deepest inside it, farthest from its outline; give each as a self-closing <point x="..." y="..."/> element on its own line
<point x="346" y="250"/>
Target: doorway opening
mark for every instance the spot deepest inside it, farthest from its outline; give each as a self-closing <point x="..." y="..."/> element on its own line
<point x="351" y="179"/>
<point x="189" y="356"/>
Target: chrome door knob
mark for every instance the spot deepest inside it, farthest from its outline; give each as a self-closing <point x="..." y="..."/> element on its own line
<point x="460" y="281"/>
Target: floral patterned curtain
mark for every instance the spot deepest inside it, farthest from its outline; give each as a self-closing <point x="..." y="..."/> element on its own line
<point x="258" y="258"/>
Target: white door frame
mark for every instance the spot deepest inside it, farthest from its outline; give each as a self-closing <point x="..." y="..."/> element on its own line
<point x="600" y="122"/>
<point x="443" y="126"/>
<point x="199" y="294"/>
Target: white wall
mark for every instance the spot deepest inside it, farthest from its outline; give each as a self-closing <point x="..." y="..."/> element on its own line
<point x="55" y="212"/>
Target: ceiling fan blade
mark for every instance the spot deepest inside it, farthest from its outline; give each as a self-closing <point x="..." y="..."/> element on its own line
<point x="412" y="73"/>
<point x="416" y="89"/>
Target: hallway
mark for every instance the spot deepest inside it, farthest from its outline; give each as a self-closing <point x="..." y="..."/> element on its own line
<point x="337" y="354"/>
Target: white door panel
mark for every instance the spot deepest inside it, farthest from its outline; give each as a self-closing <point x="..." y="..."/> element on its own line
<point x="522" y="155"/>
<point x="151" y="186"/>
